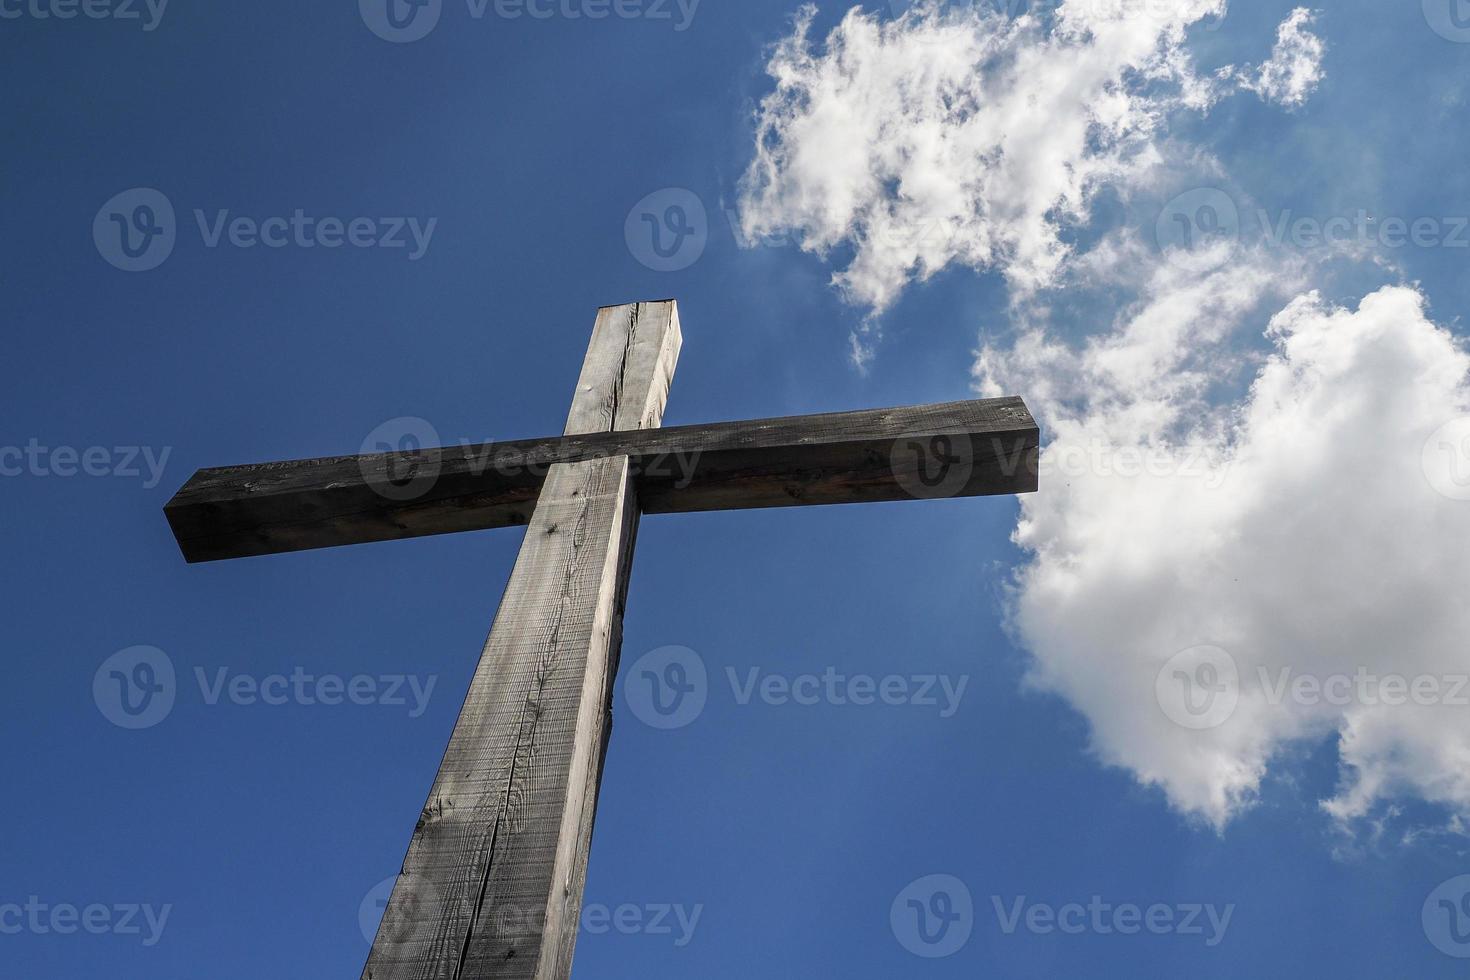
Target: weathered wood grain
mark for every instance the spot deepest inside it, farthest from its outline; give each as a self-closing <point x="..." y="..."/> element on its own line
<point x="847" y="457"/>
<point x="492" y="883"/>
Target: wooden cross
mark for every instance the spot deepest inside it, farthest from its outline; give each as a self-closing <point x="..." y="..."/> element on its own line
<point x="492" y="884"/>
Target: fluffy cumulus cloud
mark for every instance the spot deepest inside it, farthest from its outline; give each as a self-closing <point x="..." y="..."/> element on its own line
<point x="1255" y="500"/>
<point x="958" y="134"/>
<point x="962" y="134"/>
<point x="1296" y="533"/>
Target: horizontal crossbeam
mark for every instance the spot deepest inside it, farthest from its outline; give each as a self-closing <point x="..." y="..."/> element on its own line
<point x="956" y="449"/>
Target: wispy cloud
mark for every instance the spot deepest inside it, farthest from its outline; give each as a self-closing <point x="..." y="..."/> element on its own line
<point x="1294" y="69"/>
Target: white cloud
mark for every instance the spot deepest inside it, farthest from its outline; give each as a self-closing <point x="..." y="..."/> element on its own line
<point x="1293" y="526"/>
<point x="1273" y="499"/>
<point x="1295" y="67"/>
<point x="960" y="135"/>
<point x="957" y="134"/>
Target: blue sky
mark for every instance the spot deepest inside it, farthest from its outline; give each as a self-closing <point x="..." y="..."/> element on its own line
<point x="791" y="830"/>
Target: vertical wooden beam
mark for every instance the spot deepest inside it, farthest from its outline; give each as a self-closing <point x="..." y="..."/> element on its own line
<point x="492" y="884"/>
